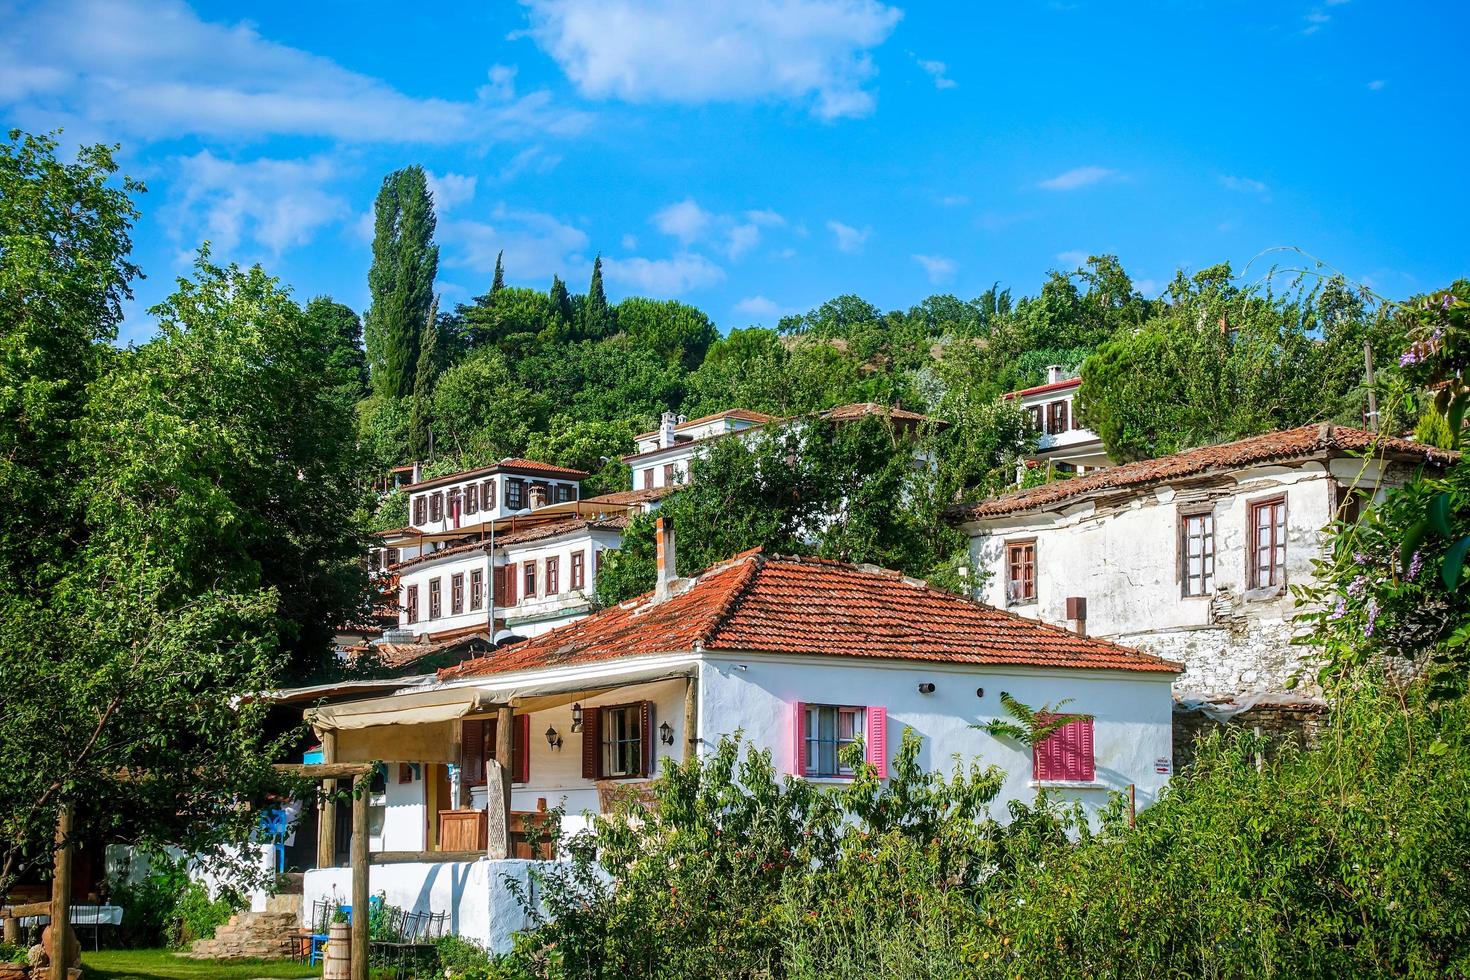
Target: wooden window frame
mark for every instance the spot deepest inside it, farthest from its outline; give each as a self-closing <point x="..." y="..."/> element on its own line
<point x="477" y="589"/>
<point x="436" y="508"/>
<point x="528" y="580"/>
<point x="564" y="493"/>
<point x="606" y="752"/>
<point x="421" y="508"/>
<point x="1207" y="581"/>
<point x="393" y="556"/>
<point x="669" y="474"/>
<point x="436" y="599"/>
<point x="648" y="478"/>
<point x="456" y="594"/>
<point x="1012" y="599"/>
<point x="411" y="602"/>
<point x="578" y="571"/>
<point x="1057" y="415"/>
<point x="487" y="495"/>
<point x="812" y="740"/>
<point x="472" y="498"/>
<point x="553" y="575"/>
<point x="515" y="494"/>
<point x="1253" y="568"/>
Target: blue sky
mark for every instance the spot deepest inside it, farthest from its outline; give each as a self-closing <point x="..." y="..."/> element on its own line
<point x="761" y="157"/>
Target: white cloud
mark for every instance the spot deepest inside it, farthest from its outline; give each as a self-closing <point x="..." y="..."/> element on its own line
<point x="153" y="69"/>
<point x="938" y="71"/>
<point x="630" y="242"/>
<point x="1074" y="259"/>
<point x="274" y="204"/>
<point x="765" y="218"/>
<point x="758" y="307"/>
<point x="848" y="238"/>
<point x="533" y="159"/>
<point x="450" y="190"/>
<point x="537" y="245"/>
<point x="742" y="239"/>
<point x="814" y="52"/>
<point x="1377" y="85"/>
<point x="1076" y="178"/>
<point x="663" y="277"/>
<point x="684" y="220"/>
<point x="1245" y="185"/>
<point x="954" y="200"/>
<point x="937" y="267"/>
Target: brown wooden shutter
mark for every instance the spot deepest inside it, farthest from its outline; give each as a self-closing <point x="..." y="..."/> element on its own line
<point x="472" y="747"/>
<point x="520" y="749"/>
<point x="591" y="743"/>
<point x="645" y="736"/>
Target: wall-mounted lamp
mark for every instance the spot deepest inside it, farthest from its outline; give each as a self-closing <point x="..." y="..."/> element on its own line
<point x="552" y="738"/>
<point x="576" y="717"/>
<point x="926" y="688"/>
<point x="666" y="732"/>
<point x="979" y="692"/>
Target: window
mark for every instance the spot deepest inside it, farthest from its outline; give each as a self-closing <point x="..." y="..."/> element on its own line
<point x="504" y="583"/>
<point x="1268" y="543"/>
<point x="1056" y="417"/>
<point x="472" y="499"/>
<point x="1035" y="412"/>
<point x="1350" y="504"/>
<point x="828" y="730"/>
<point x="436" y="507"/>
<point x="1021" y="571"/>
<point x="565" y="492"/>
<point x="668" y="474"/>
<point x="393" y="556"/>
<point x="515" y="494"/>
<point x="648" y="478"/>
<point x="411" y="604"/>
<point x="623" y="739"/>
<point x="487" y="495"/>
<point x="435" y="607"/>
<point x="553" y="576"/>
<point x="452" y="505"/>
<point x="1197" y="553"/>
<point x="1066" y="754"/>
<point x="456" y="594"/>
<point x="477" y="588"/>
<point x="477" y="745"/>
<point x="421" y="509"/>
<point x="528" y="580"/>
<point x="579" y="570"/>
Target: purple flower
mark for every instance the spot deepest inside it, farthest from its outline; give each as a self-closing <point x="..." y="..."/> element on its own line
<point x="1416" y="563"/>
<point x="1357" y="585"/>
<point x="1372" y="617"/>
<point x="1359" y="558"/>
<point x="1408" y="357"/>
<point x="1340" y="611"/>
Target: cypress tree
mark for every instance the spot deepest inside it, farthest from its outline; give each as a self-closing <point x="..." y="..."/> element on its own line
<point x="419" y="445"/>
<point x="597" y="318"/>
<point x="401" y="279"/>
<point x="498" y="283"/>
<point x="561" y="300"/>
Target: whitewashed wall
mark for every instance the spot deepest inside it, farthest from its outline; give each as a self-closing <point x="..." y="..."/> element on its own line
<point x="532" y="616"/>
<point x="445" y="570"/>
<point x="1132" y="731"/>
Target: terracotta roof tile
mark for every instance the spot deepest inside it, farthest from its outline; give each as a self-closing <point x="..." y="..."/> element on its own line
<point x="857" y="410"/>
<point x="527" y="467"/>
<point x="1272" y="447"/>
<point x="743" y="414"/>
<point x="807" y="606"/>
<point x="622" y="498"/>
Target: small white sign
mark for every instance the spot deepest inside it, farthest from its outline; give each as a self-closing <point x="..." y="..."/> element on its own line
<point x="1161" y="764"/>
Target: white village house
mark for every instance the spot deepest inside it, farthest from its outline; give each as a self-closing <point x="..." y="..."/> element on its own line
<point x="1062" y="441"/>
<point x="1188" y="556"/>
<point x="802" y="655"/>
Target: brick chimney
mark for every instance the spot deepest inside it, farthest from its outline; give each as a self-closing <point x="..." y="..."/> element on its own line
<point x="666" y="430"/>
<point x="1077" y="614"/>
<point x="664" y="543"/>
<point x="1055" y="373"/>
<point x="538" y="495"/>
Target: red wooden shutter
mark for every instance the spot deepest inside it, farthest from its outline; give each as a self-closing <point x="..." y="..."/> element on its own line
<point x="645" y="736"/>
<point x="508" y="573"/>
<point x="798" y="740"/>
<point x="877" y="741"/>
<point x="1079" y="750"/>
<point x="472" y="746"/>
<point x="520" y="749"/>
<point x="591" y="743"/>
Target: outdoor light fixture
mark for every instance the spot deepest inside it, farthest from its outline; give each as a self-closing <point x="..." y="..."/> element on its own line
<point x="979" y="692"/>
<point x="926" y="688"/>
<point x="666" y="732"/>
<point x="552" y="738"/>
<point x="576" y="717"/>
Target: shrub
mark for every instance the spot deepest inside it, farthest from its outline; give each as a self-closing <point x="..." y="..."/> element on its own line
<point x="167" y="908"/>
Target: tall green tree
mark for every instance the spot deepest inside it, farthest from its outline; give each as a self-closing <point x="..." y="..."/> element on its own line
<point x="401" y="279"/>
<point x="561" y="300"/>
<point x="498" y="283"/>
<point x="420" y="439"/>
<point x="597" y="318"/>
<point x="342" y="332"/>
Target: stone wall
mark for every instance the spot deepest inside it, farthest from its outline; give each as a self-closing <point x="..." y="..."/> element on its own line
<point x="1238" y="655"/>
<point x="1280" y="718"/>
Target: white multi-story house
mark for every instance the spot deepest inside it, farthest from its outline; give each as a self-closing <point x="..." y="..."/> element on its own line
<point x="1189" y="556"/>
<point x="662" y="456"/>
<point x="511" y="486"/>
<point x="1063" y="442"/>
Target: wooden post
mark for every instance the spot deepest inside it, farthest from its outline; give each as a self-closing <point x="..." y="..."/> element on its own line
<point x="12" y="930"/>
<point x="326" y="830"/>
<point x="61" y="896"/>
<point x="497" y="812"/>
<point x="361" y="789"/>
<point x="691" y="718"/>
<point x="505" y="730"/>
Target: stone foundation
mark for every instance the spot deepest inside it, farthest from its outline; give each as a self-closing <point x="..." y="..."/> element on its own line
<point x="1280" y="718"/>
<point x="252" y="935"/>
<point x="1243" y="657"/>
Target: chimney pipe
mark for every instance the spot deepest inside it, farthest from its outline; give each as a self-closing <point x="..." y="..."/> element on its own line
<point x="1077" y="614"/>
<point x="538" y="496"/>
<point x="666" y="430"/>
<point x="1054" y="373"/>
<point x="664" y="543"/>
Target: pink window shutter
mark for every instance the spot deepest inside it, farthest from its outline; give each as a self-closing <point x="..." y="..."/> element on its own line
<point x="798" y="739"/>
<point x="1082" y="767"/>
<point x="877" y="742"/>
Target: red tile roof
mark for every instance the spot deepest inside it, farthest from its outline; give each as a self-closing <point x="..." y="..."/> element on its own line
<point x="810" y="606"/>
<point x="624" y="498"/>
<point x="1043" y="389"/>
<point x="1285" y="445"/>
<point x="857" y="410"/>
<point x="742" y="414"/>
<point x="527" y="467"/>
<point x="536" y="533"/>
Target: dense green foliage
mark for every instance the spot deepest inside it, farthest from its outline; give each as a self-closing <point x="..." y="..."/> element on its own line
<point x="182" y="529"/>
<point x="167" y="908"/>
<point x="405" y="261"/>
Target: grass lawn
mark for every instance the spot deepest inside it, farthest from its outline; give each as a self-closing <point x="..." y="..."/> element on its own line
<point x="163" y="964"/>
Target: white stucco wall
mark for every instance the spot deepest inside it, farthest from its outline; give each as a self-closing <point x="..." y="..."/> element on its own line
<point x="1124" y="559"/>
<point x="445" y="569"/>
<point x="1132" y="730"/>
